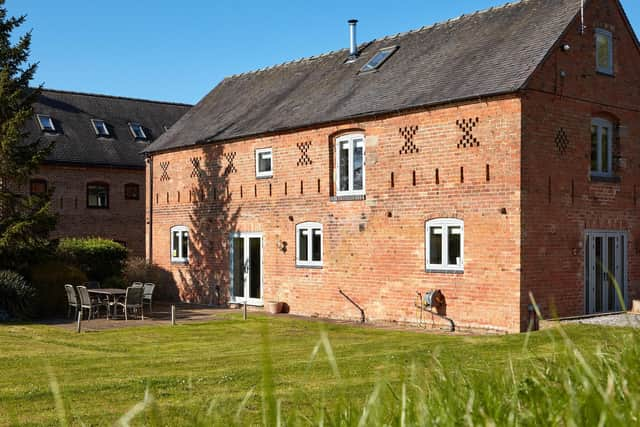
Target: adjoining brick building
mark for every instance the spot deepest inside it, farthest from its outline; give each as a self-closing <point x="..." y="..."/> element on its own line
<point x="491" y="156"/>
<point x="96" y="169"/>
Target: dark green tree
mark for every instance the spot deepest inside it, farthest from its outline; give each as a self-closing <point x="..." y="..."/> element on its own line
<point x="25" y="220"/>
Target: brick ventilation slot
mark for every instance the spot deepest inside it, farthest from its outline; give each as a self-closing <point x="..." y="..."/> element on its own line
<point x="230" y="166"/>
<point x="304" y="159"/>
<point x="562" y="141"/>
<point x="408" y="133"/>
<point x="164" y="176"/>
<point x="196" y="172"/>
<point x="467" y="126"/>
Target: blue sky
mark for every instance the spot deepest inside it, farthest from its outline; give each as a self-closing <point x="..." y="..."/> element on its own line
<point x="178" y="51"/>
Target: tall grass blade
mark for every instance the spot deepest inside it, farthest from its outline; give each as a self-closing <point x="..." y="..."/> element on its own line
<point x="138" y="408"/>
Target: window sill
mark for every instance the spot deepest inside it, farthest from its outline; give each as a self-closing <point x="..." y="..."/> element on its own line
<point x="443" y="271"/>
<point x="312" y="267"/>
<point x="264" y="176"/>
<point x="179" y="262"/>
<point x="605" y="73"/>
<point x="609" y="179"/>
<point x="349" y="198"/>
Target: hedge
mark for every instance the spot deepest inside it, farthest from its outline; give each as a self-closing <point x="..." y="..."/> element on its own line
<point x="98" y="258"/>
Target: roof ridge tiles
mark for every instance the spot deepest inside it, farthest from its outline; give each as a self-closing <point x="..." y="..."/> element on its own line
<point x="125" y="98"/>
<point x="383" y="38"/>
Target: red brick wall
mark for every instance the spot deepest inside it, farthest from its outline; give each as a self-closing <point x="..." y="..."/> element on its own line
<point x="374" y="250"/>
<point x="123" y="220"/>
<point x="555" y="216"/>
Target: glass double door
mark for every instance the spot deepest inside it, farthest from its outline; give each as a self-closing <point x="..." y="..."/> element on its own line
<point x="246" y="268"/>
<point x="605" y="272"/>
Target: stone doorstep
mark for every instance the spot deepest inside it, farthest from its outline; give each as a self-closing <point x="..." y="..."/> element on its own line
<point x="635" y="306"/>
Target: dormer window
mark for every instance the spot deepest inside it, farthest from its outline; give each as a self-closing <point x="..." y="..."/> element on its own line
<point x="137" y="131"/>
<point x="378" y="59"/>
<point x="604" y="51"/>
<point x="46" y="123"/>
<point x="100" y="126"/>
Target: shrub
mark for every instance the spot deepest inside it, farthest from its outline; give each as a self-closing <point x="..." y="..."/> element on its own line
<point x="48" y="280"/>
<point x="16" y="296"/>
<point x="98" y="258"/>
<point x="137" y="269"/>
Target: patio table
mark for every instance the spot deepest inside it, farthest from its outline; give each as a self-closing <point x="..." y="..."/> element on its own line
<point x="109" y="292"/>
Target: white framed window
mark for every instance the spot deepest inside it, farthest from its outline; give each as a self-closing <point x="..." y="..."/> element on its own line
<point x="100" y="127"/>
<point x="179" y="244"/>
<point x="309" y="244"/>
<point x="264" y="162"/>
<point x="601" y="147"/>
<point x="138" y="131"/>
<point x="46" y="123"/>
<point x="604" y="51"/>
<point x="350" y="165"/>
<point x="444" y="244"/>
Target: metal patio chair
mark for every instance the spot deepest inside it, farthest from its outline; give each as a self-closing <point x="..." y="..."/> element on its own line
<point x="72" y="300"/>
<point x="132" y="300"/>
<point x="147" y="297"/>
<point x="86" y="302"/>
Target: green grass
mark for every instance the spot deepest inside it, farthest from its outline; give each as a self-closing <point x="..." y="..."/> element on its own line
<point x="267" y="371"/>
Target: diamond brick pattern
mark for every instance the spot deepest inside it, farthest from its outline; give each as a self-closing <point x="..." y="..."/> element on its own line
<point x="304" y="159"/>
<point x="196" y="171"/>
<point x="408" y="133"/>
<point x="562" y="141"/>
<point x="164" y="175"/>
<point x="230" y="166"/>
<point x="468" y="140"/>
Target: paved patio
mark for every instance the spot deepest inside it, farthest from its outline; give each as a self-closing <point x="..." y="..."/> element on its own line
<point x="185" y="313"/>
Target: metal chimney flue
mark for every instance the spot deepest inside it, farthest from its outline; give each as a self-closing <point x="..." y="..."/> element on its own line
<point x="353" y="44"/>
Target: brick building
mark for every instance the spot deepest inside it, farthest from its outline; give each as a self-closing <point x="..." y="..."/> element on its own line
<point x="96" y="169"/>
<point x="490" y="156"/>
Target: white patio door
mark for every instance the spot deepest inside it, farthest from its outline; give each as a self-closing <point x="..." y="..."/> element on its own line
<point x="605" y="268"/>
<point x="246" y="268"/>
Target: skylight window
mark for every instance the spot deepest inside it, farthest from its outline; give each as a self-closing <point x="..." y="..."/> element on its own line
<point x="100" y="126"/>
<point x="138" y="131"/>
<point x="378" y="59"/>
<point x="46" y="123"/>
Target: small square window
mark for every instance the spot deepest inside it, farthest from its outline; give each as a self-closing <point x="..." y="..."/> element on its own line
<point x="132" y="192"/>
<point x="46" y="123"/>
<point x="98" y="196"/>
<point x="264" y="163"/>
<point x="100" y="126"/>
<point x="309" y="244"/>
<point x="37" y="186"/>
<point x="445" y="245"/>
<point x="604" y="51"/>
<point x="138" y="131"/>
<point x="378" y="59"/>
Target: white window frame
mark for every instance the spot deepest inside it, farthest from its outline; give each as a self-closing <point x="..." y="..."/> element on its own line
<point x="133" y="125"/>
<point x="309" y="227"/>
<point x="50" y="128"/>
<point x="95" y="127"/>
<point x="179" y="257"/>
<point x="259" y="173"/>
<point x="445" y="224"/>
<point x="609" y="36"/>
<point x="600" y="124"/>
<point x="351" y="139"/>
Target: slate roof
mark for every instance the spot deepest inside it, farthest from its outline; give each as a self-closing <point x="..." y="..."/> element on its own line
<point x="76" y="140"/>
<point x="486" y="53"/>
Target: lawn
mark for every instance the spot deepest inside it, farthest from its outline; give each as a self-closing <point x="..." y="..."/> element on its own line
<point x="279" y="370"/>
